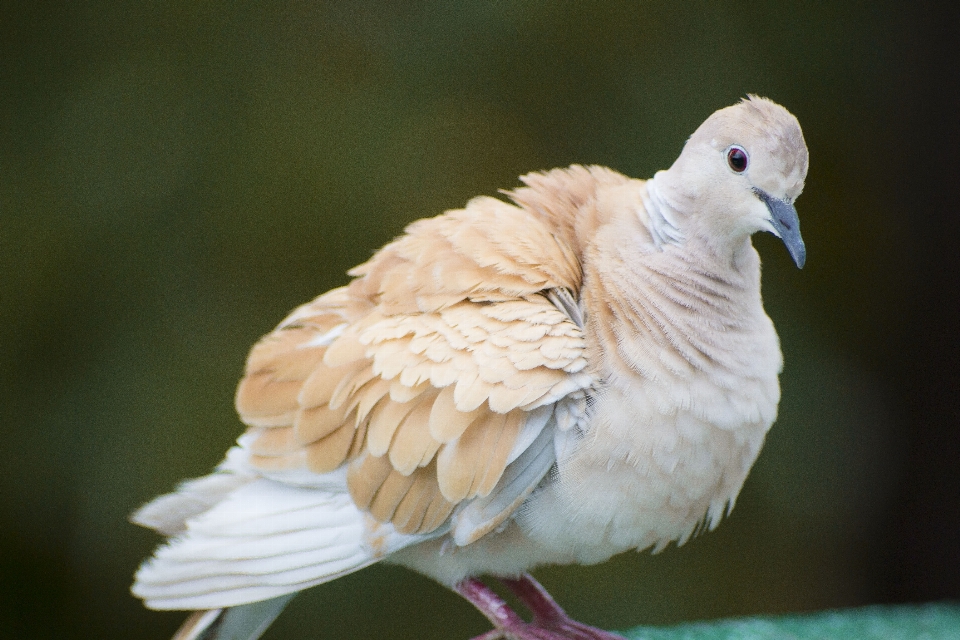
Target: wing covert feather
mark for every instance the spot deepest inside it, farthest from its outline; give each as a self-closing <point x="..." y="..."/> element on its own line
<point x="422" y="373"/>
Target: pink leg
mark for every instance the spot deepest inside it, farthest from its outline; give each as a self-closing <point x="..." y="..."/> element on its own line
<point x="496" y="610"/>
<point x="550" y="622"/>
<point x="547" y="614"/>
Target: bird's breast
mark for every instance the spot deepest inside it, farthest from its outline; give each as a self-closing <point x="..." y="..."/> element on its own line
<point x="658" y="460"/>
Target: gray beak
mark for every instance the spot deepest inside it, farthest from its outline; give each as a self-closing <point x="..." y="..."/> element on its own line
<point x="783" y="216"/>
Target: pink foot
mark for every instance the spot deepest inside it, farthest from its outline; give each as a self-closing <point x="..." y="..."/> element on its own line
<point x="550" y="622"/>
<point x="548" y="614"/>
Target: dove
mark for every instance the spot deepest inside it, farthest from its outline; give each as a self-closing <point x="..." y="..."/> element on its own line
<point x="580" y="369"/>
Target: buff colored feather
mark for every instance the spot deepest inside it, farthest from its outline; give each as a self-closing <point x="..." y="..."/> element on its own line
<point x="329" y="452"/>
<point x="412" y="509"/>
<point x="394" y="488"/>
<point x="384" y="420"/>
<point x="412" y="445"/>
<point x="365" y="476"/>
<point x="318" y="388"/>
<point x="274" y="442"/>
<point x="446" y="422"/>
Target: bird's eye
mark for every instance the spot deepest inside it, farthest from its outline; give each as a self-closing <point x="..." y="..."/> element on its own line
<point x="737" y="159"/>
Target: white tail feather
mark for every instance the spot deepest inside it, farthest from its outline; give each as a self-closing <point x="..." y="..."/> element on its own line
<point x="263" y="540"/>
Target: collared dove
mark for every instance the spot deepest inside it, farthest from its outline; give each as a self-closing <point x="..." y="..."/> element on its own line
<point x="581" y="372"/>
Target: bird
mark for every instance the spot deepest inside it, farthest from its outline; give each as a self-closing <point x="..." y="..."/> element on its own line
<point x="580" y="368"/>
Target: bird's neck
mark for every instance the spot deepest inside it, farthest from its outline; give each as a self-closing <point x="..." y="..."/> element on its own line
<point x="671" y="215"/>
<point x="673" y="309"/>
<point x="659" y="216"/>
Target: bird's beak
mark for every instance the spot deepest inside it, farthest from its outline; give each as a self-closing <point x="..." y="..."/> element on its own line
<point x="783" y="217"/>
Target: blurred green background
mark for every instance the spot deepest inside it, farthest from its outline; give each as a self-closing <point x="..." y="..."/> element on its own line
<point x="175" y="176"/>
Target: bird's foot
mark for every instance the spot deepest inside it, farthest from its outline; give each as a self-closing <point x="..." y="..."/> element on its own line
<point x="547" y="614"/>
<point x="550" y="622"/>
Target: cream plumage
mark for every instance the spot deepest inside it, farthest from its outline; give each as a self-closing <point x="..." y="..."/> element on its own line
<point x="583" y="371"/>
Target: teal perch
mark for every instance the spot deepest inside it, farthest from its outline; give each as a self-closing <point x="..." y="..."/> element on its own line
<point x="906" y="622"/>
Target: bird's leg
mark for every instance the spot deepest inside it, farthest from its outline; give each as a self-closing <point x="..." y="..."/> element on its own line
<point x="535" y="597"/>
<point x="496" y="610"/>
<point x="550" y="622"/>
<point x="548" y="615"/>
<point x="508" y="625"/>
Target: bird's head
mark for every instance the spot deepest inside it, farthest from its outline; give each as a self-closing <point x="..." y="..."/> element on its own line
<point x="741" y="171"/>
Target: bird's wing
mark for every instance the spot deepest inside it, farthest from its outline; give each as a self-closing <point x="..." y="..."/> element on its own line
<point x="430" y="395"/>
<point x="435" y="370"/>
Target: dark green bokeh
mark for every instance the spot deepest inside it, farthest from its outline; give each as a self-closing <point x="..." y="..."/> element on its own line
<point x="174" y="177"/>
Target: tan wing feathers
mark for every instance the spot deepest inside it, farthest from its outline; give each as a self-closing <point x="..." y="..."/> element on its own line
<point x="564" y="199"/>
<point x="471" y="465"/>
<point x="506" y="240"/>
<point x="350" y="384"/>
<point x="482" y="349"/>
<point x="412" y="445"/>
<point x="282" y="361"/>
<point x="289" y="462"/>
<point x="329" y="452"/>
<point x="370" y="395"/>
<point x="264" y="402"/>
<point x="437" y="513"/>
<point x="383" y="423"/>
<point x="318" y="388"/>
<point x="394" y="489"/>
<point x="275" y="442"/>
<point x="464" y="253"/>
<point x="470" y="392"/>
<point x="413" y="503"/>
<point x="503" y="398"/>
<point x="424" y="508"/>
<point x="454" y="477"/>
<point x="401" y="392"/>
<point x="412" y="509"/>
<point x="423" y="369"/>
<point x="275" y="372"/>
<point x="497" y="457"/>
<point x="417" y="374"/>
<point x="326" y="311"/>
<point x="446" y="422"/>
<point x="345" y="349"/>
<point x="519" y="479"/>
<point x="364" y="477"/>
<point x="359" y="445"/>
<point x="315" y="423"/>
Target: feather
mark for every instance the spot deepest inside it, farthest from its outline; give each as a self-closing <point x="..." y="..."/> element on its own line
<point x="461" y="463"/>
<point x="412" y="445"/>
<point x="318" y="388"/>
<point x="446" y="422"/>
<point x="274" y="442"/>
<point x="243" y="622"/>
<point x="298" y="536"/>
<point x="315" y="423"/>
<point x="384" y="420"/>
<point x="331" y="451"/>
<point x="521" y="477"/>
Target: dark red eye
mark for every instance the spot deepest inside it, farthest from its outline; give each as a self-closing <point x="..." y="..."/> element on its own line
<point x="737" y="159"/>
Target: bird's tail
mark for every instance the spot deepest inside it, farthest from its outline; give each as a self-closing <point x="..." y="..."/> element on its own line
<point x="243" y="622"/>
<point x="262" y="541"/>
